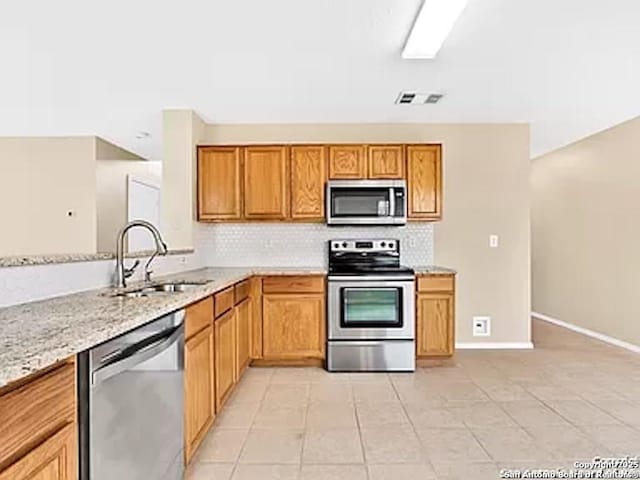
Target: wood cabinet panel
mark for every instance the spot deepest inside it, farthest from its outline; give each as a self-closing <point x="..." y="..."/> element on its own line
<point x="241" y="291"/>
<point x="308" y="177"/>
<point x="256" y="317"/>
<point x="224" y="301"/>
<point x="266" y="183"/>
<point x="219" y="183"/>
<point x="293" y="284"/>
<point x="435" y="324"/>
<point x="35" y="410"/>
<point x="386" y="161"/>
<point x="243" y="336"/>
<point x="347" y="161"/>
<point x="225" y="354"/>
<point x="424" y="182"/>
<point x="54" y="459"/>
<point x="198" y="317"/>
<point x="293" y="326"/>
<point x="199" y="395"/>
<point x="436" y="283"/>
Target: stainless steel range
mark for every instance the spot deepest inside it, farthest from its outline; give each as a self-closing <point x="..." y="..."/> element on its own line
<point x="371" y="314"/>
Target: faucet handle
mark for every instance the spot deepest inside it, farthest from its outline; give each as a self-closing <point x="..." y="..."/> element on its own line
<point x="129" y="271"/>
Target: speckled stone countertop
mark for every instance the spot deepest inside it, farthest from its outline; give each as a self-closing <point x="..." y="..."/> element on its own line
<point x="38" y="334"/>
<point x="434" y="270"/>
<point x="27" y="260"/>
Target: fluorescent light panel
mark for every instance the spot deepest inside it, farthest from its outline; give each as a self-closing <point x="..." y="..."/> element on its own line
<point x="434" y="22"/>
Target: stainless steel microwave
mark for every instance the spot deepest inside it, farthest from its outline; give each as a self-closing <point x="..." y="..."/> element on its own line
<point x="366" y="202"/>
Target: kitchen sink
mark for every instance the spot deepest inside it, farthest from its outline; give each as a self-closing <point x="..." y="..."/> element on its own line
<point x="160" y="289"/>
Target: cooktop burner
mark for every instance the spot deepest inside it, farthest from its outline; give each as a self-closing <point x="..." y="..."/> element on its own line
<point x="366" y="257"/>
<point x="370" y="270"/>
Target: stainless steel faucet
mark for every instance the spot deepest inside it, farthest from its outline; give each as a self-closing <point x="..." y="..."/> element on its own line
<point x="123" y="273"/>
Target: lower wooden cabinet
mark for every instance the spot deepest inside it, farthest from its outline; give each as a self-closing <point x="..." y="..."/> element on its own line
<point x="54" y="459"/>
<point x="199" y="402"/>
<point x="293" y="326"/>
<point x="435" y="316"/>
<point x="225" y="355"/>
<point x="243" y="336"/>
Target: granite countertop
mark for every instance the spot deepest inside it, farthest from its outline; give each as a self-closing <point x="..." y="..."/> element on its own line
<point x="36" y="335"/>
<point x="434" y="270"/>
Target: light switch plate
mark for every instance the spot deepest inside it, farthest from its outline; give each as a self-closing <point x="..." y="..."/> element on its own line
<point x="481" y="326"/>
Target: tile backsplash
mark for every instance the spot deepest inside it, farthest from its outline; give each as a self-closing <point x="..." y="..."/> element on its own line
<point x="287" y="244"/>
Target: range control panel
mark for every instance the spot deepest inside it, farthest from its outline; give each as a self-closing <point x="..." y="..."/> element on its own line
<point x="362" y="245"/>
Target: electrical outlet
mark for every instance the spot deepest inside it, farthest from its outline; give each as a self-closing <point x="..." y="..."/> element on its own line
<point x="493" y="241"/>
<point x="481" y="326"/>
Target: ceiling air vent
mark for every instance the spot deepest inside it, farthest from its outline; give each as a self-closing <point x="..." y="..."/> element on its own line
<point x="414" y="98"/>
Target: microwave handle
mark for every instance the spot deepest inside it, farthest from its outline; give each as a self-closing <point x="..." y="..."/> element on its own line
<point x="392" y="202"/>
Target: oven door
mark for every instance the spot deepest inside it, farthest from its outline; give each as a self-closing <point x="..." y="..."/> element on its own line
<point x="374" y="310"/>
<point x="363" y="202"/>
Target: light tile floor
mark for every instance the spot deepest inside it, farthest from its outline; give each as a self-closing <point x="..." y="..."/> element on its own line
<point x="571" y="398"/>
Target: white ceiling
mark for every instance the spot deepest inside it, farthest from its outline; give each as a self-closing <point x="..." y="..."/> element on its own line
<point x="569" y="67"/>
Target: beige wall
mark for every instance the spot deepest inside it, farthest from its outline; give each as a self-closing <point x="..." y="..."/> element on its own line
<point x="586" y="233"/>
<point x="182" y="131"/>
<point x="486" y="191"/>
<point x="112" y="195"/>
<point x="41" y="180"/>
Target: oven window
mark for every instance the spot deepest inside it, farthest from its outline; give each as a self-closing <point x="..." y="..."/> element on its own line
<point x="371" y="307"/>
<point x="361" y="202"/>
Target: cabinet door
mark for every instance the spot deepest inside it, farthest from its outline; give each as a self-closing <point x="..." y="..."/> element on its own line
<point x="308" y="177"/>
<point x="424" y="181"/>
<point x="199" y="396"/>
<point x="435" y="319"/>
<point x="225" y="354"/>
<point x="54" y="459"/>
<point x="347" y="162"/>
<point x="266" y="183"/>
<point x="386" y="161"/>
<point x="293" y="326"/>
<point x="219" y="183"/>
<point x="243" y="336"/>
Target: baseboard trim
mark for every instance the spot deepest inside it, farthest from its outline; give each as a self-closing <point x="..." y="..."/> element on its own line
<point x="494" y="346"/>
<point x="589" y="333"/>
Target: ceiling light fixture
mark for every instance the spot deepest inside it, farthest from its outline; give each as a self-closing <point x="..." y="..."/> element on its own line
<point x="433" y="23"/>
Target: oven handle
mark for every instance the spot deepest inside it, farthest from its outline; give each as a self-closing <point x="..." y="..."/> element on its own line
<point x="371" y="278"/>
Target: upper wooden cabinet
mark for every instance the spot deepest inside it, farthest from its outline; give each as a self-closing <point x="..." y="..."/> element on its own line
<point x="219" y="183"/>
<point x="266" y="183"/>
<point x="347" y="161"/>
<point x="308" y="177"/>
<point x="386" y="161"/>
<point x="424" y="182"/>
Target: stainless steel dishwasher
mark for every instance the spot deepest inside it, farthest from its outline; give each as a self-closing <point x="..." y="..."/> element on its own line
<point x="130" y="408"/>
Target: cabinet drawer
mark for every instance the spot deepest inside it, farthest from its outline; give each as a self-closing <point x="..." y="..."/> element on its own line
<point x="293" y="284"/>
<point x="435" y="283"/>
<point x="241" y="291"/>
<point x="198" y="316"/>
<point x="223" y="301"/>
<point x="36" y="410"/>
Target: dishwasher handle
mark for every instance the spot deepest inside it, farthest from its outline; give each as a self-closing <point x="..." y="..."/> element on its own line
<point x="134" y="355"/>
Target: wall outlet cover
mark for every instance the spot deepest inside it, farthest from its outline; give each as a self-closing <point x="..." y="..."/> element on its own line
<point x="481" y="326"/>
<point x="493" y="241"/>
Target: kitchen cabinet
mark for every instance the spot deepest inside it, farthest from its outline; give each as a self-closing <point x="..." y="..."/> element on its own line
<point x="266" y="183"/>
<point x="308" y="177"/>
<point x="256" y="317"/>
<point x="199" y="401"/>
<point x="225" y="355"/>
<point x="38" y="434"/>
<point x="54" y="459"/>
<point x="243" y="336"/>
<point x="293" y="318"/>
<point x="435" y="315"/>
<point x="347" y="162"/>
<point x="219" y="183"/>
<point x="386" y="161"/>
<point x="424" y="182"/>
